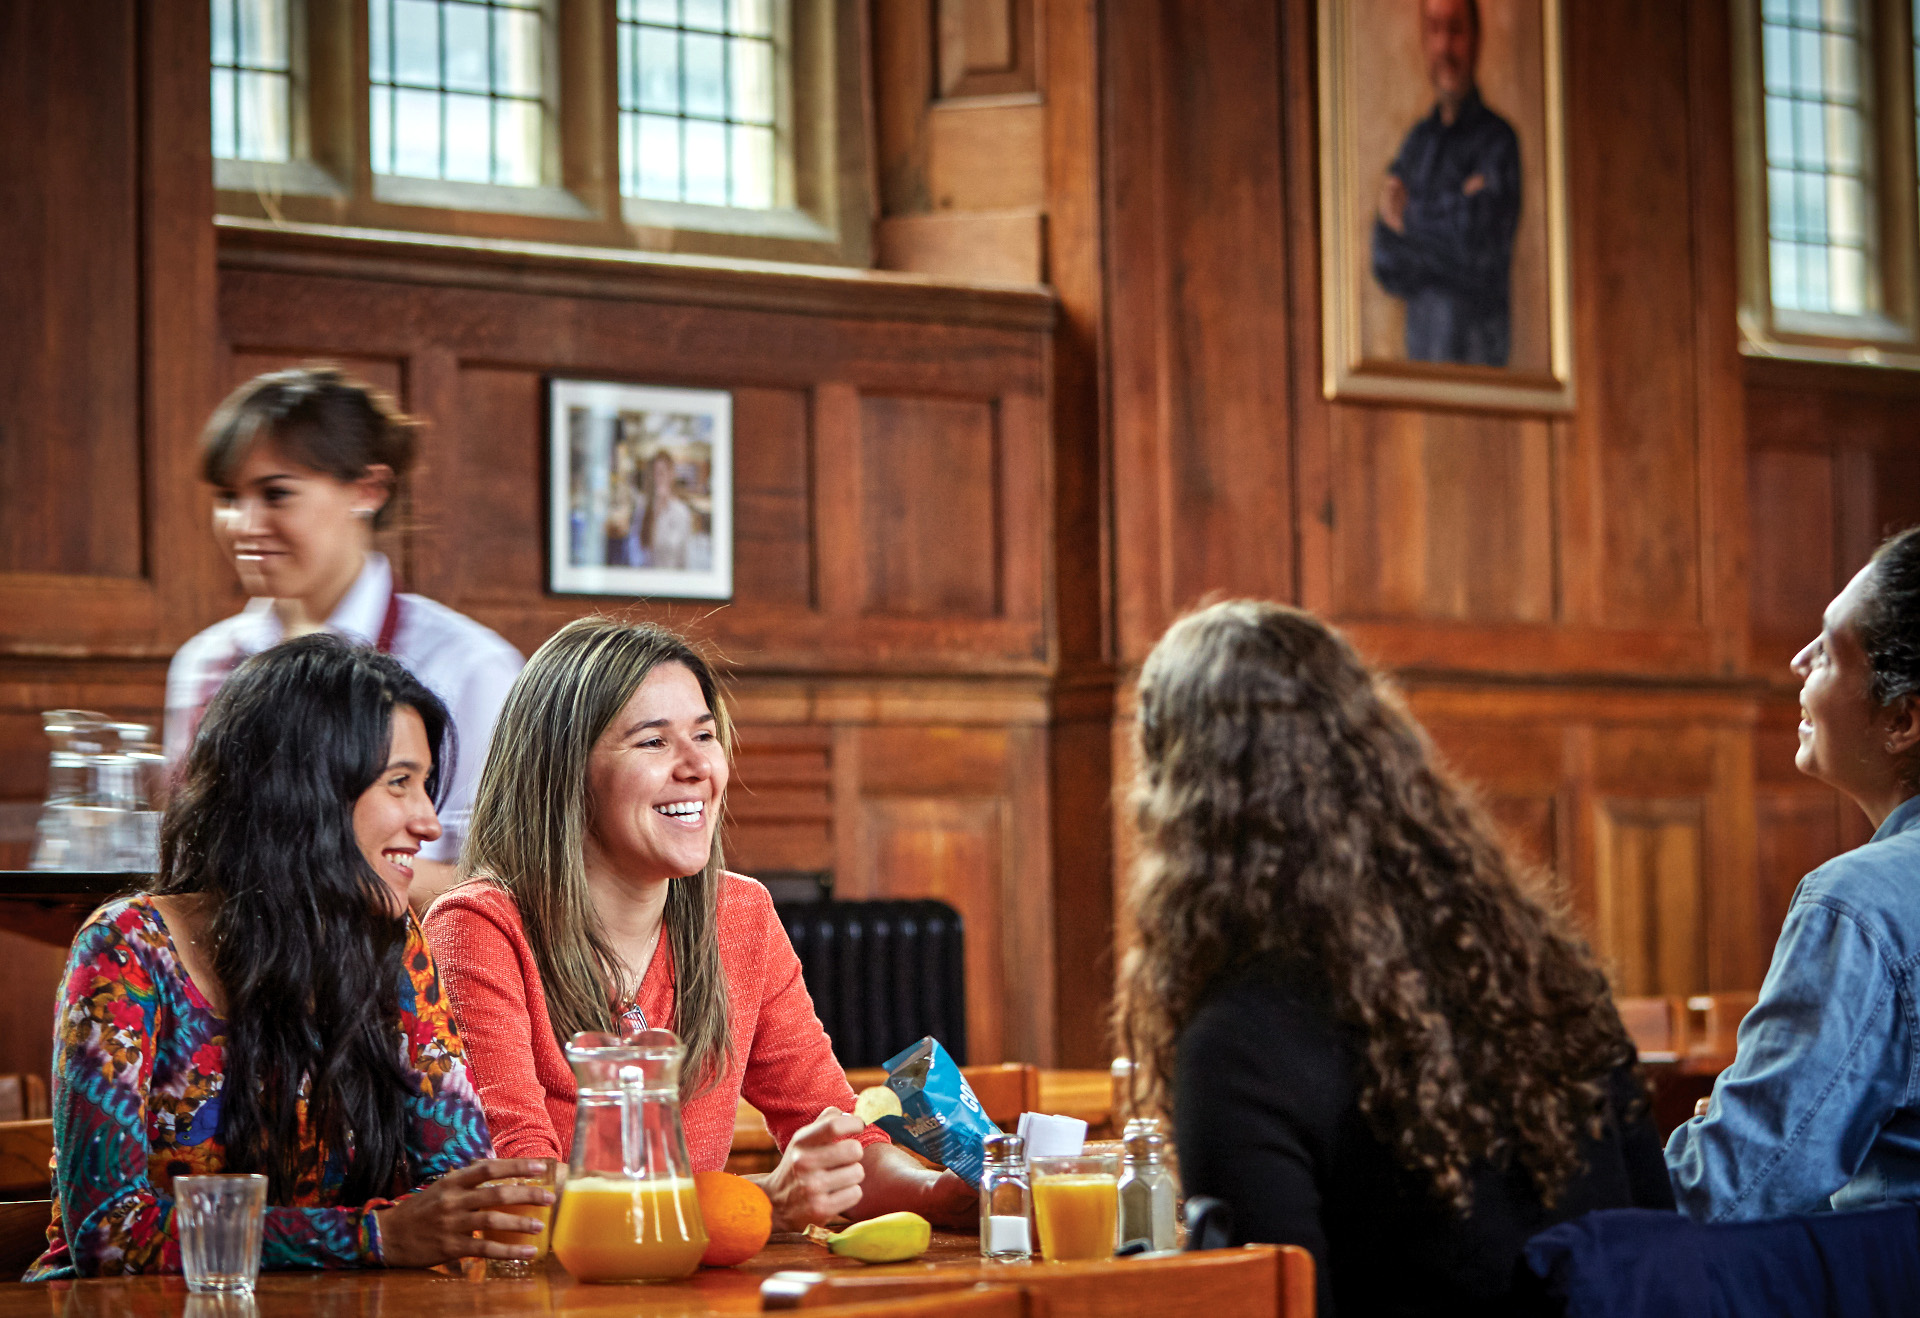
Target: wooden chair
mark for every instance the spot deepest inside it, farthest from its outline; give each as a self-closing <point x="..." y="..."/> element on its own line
<point x="1656" y="1025"/>
<point x="1087" y="1095"/>
<point x="1716" y="1022"/>
<point x="23" y="1098"/>
<point x="1257" y="1281"/>
<point x="25" y="1149"/>
<point x="23" y="1235"/>
<point x="1005" y="1089"/>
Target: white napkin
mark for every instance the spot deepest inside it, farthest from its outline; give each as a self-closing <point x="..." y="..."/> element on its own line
<point x="1051" y="1137"/>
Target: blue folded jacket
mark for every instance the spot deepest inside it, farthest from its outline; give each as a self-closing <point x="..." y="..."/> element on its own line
<point x="1637" y="1263"/>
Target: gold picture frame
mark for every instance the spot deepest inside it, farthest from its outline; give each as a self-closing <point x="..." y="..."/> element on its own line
<point x="1374" y="79"/>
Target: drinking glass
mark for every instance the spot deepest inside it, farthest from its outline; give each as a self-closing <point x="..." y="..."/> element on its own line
<point x="218" y="1218"/>
<point x="223" y="1304"/>
<point x="1076" y="1205"/>
<point x="538" y="1239"/>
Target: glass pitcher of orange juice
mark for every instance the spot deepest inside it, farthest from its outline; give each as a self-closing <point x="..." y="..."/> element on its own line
<point x="628" y="1212"/>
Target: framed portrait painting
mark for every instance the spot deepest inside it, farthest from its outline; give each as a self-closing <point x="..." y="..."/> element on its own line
<point x="1443" y="222"/>
<point x="640" y="490"/>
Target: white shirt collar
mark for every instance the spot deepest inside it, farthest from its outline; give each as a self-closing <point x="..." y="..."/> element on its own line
<point x="358" y="616"/>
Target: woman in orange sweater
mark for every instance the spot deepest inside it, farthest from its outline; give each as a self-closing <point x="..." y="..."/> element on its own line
<point x="597" y="901"/>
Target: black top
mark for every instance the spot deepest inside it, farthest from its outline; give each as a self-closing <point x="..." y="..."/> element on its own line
<point x="1267" y="1118"/>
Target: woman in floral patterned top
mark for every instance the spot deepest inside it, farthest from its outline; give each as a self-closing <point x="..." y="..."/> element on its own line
<point x="270" y="1006"/>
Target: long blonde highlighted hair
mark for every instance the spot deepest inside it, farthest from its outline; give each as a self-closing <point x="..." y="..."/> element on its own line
<point x="533" y="813"/>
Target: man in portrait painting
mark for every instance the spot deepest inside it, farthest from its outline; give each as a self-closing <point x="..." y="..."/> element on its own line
<point x="1449" y="205"/>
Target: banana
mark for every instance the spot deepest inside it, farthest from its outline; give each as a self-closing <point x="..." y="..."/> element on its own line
<point x="894" y="1238"/>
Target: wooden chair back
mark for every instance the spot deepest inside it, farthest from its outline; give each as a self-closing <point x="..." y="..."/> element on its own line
<point x="23" y="1098"/>
<point x="23" y="1235"/>
<point x="1257" y="1281"/>
<point x="26" y="1147"/>
<point x="1656" y="1025"/>
<point x="1716" y="1021"/>
<point x="1005" y="1089"/>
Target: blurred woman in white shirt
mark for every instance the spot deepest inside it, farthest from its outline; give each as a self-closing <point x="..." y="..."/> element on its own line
<point x="305" y="464"/>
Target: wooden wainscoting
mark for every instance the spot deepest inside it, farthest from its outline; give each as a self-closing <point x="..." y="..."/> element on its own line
<point x="1640" y="805"/>
<point x="916" y="789"/>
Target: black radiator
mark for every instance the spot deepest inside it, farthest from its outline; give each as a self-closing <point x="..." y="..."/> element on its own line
<point x="883" y="974"/>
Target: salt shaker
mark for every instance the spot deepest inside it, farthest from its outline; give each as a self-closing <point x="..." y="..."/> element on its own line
<point x="1006" y="1201"/>
<point x="1147" y="1190"/>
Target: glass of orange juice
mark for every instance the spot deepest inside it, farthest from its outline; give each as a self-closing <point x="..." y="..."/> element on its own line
<point x="1076" y="1205"/>
<point x="538" y="1239"/>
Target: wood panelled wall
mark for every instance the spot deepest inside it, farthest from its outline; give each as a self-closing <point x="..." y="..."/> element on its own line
<point x="1564" y="596"/>
<point x="969" y="501"/>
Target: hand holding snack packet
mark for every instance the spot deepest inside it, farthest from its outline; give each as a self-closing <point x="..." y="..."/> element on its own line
<point x="940" y="1119"/>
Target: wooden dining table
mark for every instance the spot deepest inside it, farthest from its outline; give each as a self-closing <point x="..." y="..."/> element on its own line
<point x="1259" y="1280"/>
<point x="466" y="1290"/>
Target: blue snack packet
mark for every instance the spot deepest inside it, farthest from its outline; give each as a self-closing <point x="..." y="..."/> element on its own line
<point x="943" y="1121"/>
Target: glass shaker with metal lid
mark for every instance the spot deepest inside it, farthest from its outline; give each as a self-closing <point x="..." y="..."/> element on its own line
<point x="1006" y="1201"/>
<point x="1147" y="1189"/>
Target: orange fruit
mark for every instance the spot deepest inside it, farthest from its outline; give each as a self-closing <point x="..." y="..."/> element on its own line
<point x="738" y="1214"/>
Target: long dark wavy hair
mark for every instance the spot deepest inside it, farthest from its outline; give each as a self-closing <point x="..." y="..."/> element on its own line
<point x="1293" y="818"/>
<point x="302" y="933"/>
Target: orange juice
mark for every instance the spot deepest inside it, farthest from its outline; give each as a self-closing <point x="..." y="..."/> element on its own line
<point x="1075" y="1214"/>
<point x="538" y="1239"/>
<point x="620" y="1230"/>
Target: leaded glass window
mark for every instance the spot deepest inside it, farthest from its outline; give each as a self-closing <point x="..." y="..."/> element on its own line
<point x="252" y="80"/>
<point x="458" y="89"/>
<point x="1821" y="207"/>
<point x="700" y="101"/>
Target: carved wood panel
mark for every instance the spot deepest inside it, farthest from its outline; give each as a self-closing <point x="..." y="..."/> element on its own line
<point x="780" y="800"/>
<point x="891" y="503"/>
<point x="1650" y="877"/>
<point x="1442" y="516"/>
<point x="929" y="506"/>
<point x="986" y="48"/>
<point x="70" y="423"/>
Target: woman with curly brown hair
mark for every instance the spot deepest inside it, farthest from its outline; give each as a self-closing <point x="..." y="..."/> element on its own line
<point x="1373" y="1040"/>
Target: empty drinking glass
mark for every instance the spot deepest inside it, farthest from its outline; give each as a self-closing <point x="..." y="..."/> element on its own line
<point x="219" y="1219"/>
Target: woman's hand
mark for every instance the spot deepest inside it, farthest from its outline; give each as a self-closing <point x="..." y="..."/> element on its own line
<point x="436" y="1224"/>
<point x="819" y="1175"/>
<point x="896" y="1181"/>
<point x="950" y="1202"/>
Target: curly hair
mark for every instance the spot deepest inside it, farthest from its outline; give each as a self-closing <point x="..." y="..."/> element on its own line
<point x="1292" y="815"/>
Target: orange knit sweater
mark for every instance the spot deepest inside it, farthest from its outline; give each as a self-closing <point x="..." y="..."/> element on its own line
<point x="783" y="1061"/>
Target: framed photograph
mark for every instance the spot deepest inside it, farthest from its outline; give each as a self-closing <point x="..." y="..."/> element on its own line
<point x="1443" y="207"/>
<point x="640" y="490"/>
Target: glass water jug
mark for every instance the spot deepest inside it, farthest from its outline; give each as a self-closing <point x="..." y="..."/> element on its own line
<point x="103" y="780"/>
<point x="629" y="1211"/>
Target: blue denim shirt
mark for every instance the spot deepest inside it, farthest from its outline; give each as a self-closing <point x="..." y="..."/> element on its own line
<point x="1821" y="1107"/>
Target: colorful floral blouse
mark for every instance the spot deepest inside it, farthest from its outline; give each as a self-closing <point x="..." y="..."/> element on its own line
<point x="137" y="1065"/>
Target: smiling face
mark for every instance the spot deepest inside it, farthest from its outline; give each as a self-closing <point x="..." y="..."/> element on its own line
<point x="1450" y="41"/>
<point x="394" y="818"/>
<point x="1843" y="730"/>
<point x="292" y="532"/>
<point x="655" y="780"/>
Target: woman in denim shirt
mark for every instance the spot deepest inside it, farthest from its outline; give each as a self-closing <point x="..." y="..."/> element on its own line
<point x="1821" y="1107"/>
